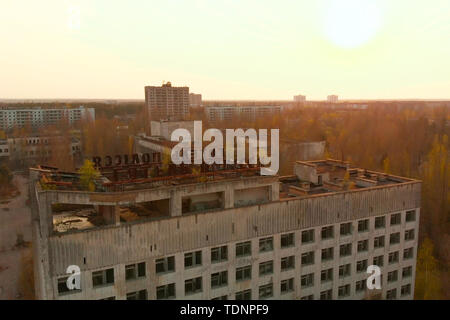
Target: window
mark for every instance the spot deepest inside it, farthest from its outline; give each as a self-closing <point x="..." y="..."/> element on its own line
<point x="62" y="286"/>
<point x="219" y="279"/>
<point x="361" y="266"/>
<point x="165" y="265"/>
<point x="380" y="222"/>
<point x="378" y="242"/>
<point x="326" y="295"/>
<point x="327" y="232"/>
<point x="244" y="295"/>
<point x="363" y="245"/>
<point x="307" y="280"/>
<point x="327" y="254"/>
<point x="244" y="273"/>
<point x="346" y="228"/>
<point x="326" y="275"/>
<point x="287" y="240"/>
<point x="266" y="291"/>
<point x="102" y="277"/>
<point x="166" y="292"/>
<point x="407" y="272"/>
<point x="287" y="285"/>
<point x="396" y="218"/>
<point x="363" y="225"/>
<point x="138" y="295"/>
<point x="308" y="236"/>
<point x="392" y="276"/>
<point x="266" y="244"/>
<point x="266" y="268"/>
<point x="360" y="285"/>
<point x="393" y="257"/>
<point x="344" y="291"/>
<point x="134" y="271"/>
<point x="405" y="290"/>
<point x="410" y="216"/>
<point x="310" y="297"/>
<point x="345" y="249"/>
<point x="391" y="294"/>
<point x="344" y="270"/>
<point x="193" y="286"/>
<point x="308" y="258"/>
<point x="219" y="254"/>
<point x="192" y="259"/>
<point x="409" y="235"/>
<point x="378" y="261"/>
<point x="243" y="249"/>
<point x="394" y="238"/>
<point x="408" y="253"/>
<point x="287" y="263"/>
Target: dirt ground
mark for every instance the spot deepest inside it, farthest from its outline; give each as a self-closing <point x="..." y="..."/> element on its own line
<point x="15" y="219"/>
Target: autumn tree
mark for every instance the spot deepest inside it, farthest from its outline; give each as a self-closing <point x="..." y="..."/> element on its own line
<point x="88" y="174"/>
<point x="428" y="283"/>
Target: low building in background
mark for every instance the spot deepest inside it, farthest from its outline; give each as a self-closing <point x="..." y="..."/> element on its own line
<point x="195" y="100"/>
<point x="13" y="117"/>
<point x="226" y="233"/>
<point x="332" y="98"/>
<point x="228" y="113"/>
<point x="26" y="151"/>
<point x="299" y="98"/>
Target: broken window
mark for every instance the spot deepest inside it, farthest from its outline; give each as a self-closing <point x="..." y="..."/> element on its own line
<point x="308" y="258"/>
<point x="308" y="236"/>
<point x="134" y="271"/>
<point x="102" y="277"/>
<point x="219" y="254"/>
<point x="193" y="259"/>
<point x="165" y="292"/>
<point x="287" y="263"/>
<point x="287" y="240"/>
<point x="138" y="295"/>
<point x="166" y="264"/>
<point x="266" y="268"/>
<point x="192" y="286"/>
<point x="266" y="291"/>
<point x="266" y="244"/>
<point x="219" y="279"/>
<point x="346" y="229"/>
<point x="327" y="232"/>
<point x="243" y="273"/>
<point x="243" y="249"/>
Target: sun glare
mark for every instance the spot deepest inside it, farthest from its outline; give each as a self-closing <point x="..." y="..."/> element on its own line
<point x="351" y="23"/>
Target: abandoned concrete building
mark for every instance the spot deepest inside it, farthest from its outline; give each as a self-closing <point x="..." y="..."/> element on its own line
<point x="225" y="234"/>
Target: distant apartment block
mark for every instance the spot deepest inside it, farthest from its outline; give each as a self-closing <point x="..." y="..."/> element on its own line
<point x="167" y="102"/>
<point x="221" y="113"/>
<point x="232" y="235"/>
<point x="38" y="117"/>
<point x="299" y="98"/>
<point x="25" y="151"/>
<point x="332" y="98"/>
<point x="195" y="100"/>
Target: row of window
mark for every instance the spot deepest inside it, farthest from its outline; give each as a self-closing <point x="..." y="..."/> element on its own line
<point x="360" y="286"/>
<point x="326" y="275"/>
<point x="265" y="291"/>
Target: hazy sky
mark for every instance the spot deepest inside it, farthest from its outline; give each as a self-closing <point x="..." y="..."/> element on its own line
<point x="245" y="49"/>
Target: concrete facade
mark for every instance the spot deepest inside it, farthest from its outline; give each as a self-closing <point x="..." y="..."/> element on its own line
<point x="274" y="223"/>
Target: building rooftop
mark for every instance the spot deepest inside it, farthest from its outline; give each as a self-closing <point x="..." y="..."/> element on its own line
<point x="196" y="189"/>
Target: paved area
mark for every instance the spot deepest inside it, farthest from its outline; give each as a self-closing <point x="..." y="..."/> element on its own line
<point x="15" y="219"/>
